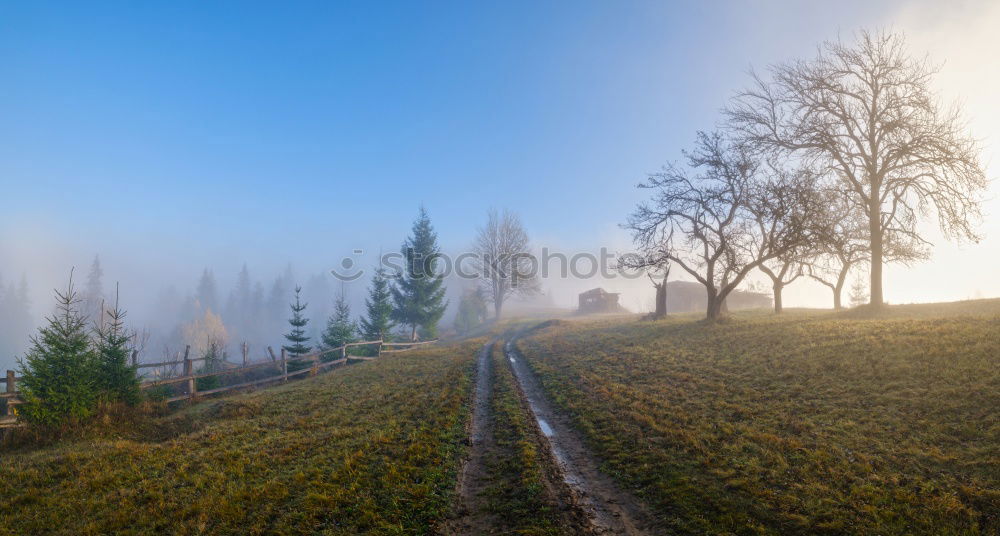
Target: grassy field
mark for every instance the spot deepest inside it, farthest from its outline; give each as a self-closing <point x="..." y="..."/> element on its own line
<point x="808" y="423"/>
<point x="373" y="448"/>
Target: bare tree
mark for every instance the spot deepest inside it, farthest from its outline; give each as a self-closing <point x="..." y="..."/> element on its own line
<point x="655" y="262"/>
<point x="660" y="310"/>
<point x="723" y="222"/>
<point x="841" y="244"/>
<point x="865" y="114"/>
<point x="503" y="260"/>
<point x="783" y="271"/>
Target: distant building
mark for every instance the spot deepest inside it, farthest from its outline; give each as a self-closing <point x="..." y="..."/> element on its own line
<point x="687" y="297"/>
<point x="598" y="300"/>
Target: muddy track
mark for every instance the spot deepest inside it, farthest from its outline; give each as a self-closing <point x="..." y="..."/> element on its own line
<point x="473" y="477"/>
<point x="472" y="514"/>
<point x="607" y="508"/>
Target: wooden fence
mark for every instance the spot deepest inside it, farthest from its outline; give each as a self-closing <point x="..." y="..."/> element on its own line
<point x="189" y="379"/>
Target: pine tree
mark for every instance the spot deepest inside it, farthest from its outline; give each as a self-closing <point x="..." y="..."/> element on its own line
<point x="418" y="293"/>
<point x="377" y="324"/>
<point x="859" y="292"/>
<point x="472" y="311"/>
<point x="116" y="377"/>
<point x="239" y="309"/>
<point x="297" y="337"/>
<point x="15" y="321"/>
<point x="206" y="292"/>
<point x="212" y="361"/>
<point x="340" y="330"/>
<point x="276" y="300"/>
<point x="257" y="315"/>
<point x="58" y="370"/>
<point x="93" y="294"/>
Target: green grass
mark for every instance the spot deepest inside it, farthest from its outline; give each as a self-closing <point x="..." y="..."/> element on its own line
<point x="807" y="423"/>
<point x="517" y="493"/>
<point x="371" y="448"/>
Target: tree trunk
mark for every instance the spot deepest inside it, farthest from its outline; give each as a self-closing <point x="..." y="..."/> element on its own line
<point x="497" y="308"/>
<point x="778" y="307"/>
<point x="413" y="334"/>
<point x="661" y="300"/>
<point x="716" y="305"/>
<point x="838" y="289"/>
<point x="875" y="228"/>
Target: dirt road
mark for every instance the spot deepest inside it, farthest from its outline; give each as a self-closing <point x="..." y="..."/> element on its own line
<point x="607" y="508"/>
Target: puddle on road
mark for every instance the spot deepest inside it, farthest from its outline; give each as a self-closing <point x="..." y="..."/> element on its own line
<point x="546" y="429"/>
<point x="512" y="360"/>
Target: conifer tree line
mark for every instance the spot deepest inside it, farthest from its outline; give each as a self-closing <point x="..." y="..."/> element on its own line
<point x="76" y="363"/>
<point x="82" y="355"/>
<point x="407" y="305"/>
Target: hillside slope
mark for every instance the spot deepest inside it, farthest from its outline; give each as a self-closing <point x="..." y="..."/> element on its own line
<point x="801" y="424"/>
<point x="373" y="447"/>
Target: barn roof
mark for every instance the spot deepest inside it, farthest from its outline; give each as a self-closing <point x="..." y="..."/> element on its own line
<point x="598" y="292"/>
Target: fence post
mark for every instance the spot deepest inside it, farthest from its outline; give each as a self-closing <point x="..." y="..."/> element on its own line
<point x="189" y="371"/>
<point x="343" y="352"/>
<point x="135" y="357"/>
<point x="10" y="389"/>
<point x="246" y="352"/>
<point x="284" y="365"/>
<point x="271" y="351"/>
<point x="378" y="349"/>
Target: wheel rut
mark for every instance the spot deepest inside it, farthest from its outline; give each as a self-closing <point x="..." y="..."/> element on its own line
<point x="474" y="477"/>
<point x="607" y="507"/>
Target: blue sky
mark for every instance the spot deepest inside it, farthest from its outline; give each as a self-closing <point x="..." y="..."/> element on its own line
<point x="169" y="136"/>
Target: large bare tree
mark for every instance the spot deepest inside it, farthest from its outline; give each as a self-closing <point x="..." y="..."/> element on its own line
<point x="503" y="261"/>
<point x="865" y="114"/>
<point x="723" y="215"/>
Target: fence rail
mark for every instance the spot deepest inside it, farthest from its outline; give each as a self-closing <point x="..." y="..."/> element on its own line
<point x="8" y="418"/>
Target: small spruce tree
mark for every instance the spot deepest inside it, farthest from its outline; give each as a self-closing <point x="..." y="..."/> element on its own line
<point x="418" y="293"/>
<point x="340" y="330"/>
<point x="859" y="292"/>
<point x="212" y="362"/>
<point x="116" y="377"/>
<point x="297" y="337"/>
<point x="58" y="371"/>
<point x="377" y="324"/>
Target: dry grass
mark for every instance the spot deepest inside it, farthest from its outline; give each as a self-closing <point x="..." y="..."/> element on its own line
<point x="370" y="448"/>
<point x="806" y="423"/>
